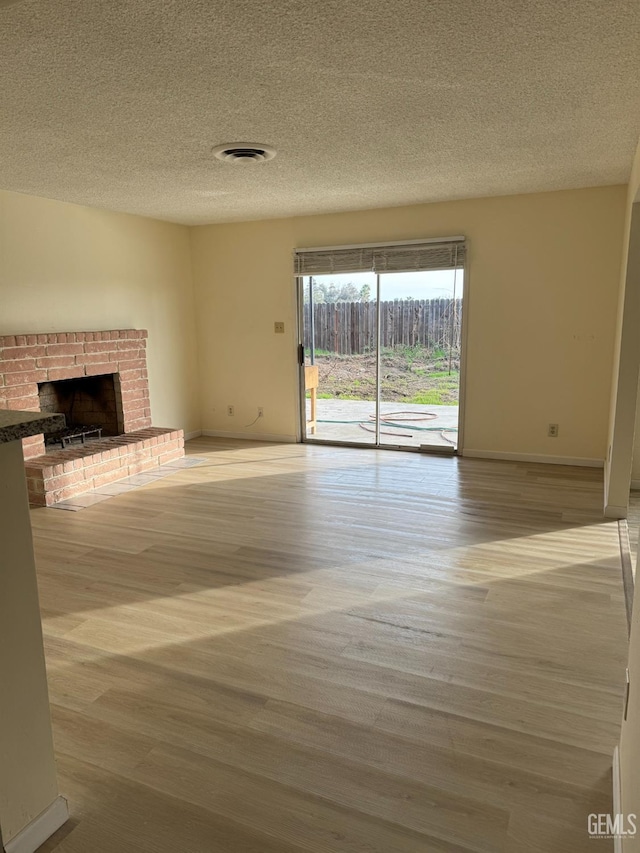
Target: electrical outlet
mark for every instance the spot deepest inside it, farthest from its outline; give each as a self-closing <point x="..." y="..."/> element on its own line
<point x="260" y="412"/>
<point x="552" y="432"/>
<point x="278" y="328"/>
<point x="230" y="411"/>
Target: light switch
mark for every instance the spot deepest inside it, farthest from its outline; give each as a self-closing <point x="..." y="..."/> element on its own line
<point x="278" y="328"/>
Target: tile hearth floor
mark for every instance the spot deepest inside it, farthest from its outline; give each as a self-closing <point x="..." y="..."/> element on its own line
<point x="127" y="484"/>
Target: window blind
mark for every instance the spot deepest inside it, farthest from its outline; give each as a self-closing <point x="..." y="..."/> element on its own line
<point x="399" y="257"/>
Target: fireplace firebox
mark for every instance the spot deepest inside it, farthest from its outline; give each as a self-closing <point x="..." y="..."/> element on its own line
<point x="92" y="406"/>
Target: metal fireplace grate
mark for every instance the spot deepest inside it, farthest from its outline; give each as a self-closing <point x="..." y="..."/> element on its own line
<point x="73" y="435"/>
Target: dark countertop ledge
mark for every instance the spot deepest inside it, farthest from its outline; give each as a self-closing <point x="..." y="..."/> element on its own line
<point x="17" y="425"/>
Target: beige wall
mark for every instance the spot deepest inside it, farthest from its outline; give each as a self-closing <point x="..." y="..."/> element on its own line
<point x="69" y="268"/>
<point x="633" y="195"/>
<point x="544" y="274"/>
<point x="635" y="468"/>
<point x="27" y="767"/>
<point x="630" y="734"/>
<point x="625" y="413"/>
<point x="626" y="358"/>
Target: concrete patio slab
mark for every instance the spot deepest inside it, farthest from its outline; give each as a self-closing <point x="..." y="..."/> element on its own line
<point x="354" y="420"/>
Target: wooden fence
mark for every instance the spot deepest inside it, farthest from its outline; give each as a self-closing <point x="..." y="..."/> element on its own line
<point x="349" y="328"/>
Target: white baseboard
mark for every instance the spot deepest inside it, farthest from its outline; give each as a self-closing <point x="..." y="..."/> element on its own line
<point x="613" y="511"/>
<point x="617" y="796"/>
<point x="635" y="485"/>
<point x="579" y="461"/>
<point x="250" y="436"/>
<point x="195" y="434"/>
<point x="42" y="827"/>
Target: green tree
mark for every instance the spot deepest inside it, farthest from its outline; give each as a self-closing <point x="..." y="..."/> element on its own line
<point x="330" y="292"/>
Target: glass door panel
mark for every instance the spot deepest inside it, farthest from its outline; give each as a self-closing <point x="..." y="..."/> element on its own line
<point x="420" y="339"/>
<point x="339" y="316"/>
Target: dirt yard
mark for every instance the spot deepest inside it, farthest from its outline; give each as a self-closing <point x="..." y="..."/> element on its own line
<point x="409" y="375"/>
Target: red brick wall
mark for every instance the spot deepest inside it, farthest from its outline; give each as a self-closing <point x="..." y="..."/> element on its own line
<point x="26" y="360"/>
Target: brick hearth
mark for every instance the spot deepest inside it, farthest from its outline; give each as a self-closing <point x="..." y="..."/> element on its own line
<point x="62" y="474"/>
<point x="57" y="474"/>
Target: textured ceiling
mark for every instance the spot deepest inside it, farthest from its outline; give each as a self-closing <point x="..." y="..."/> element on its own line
<point x="369" y="103"/>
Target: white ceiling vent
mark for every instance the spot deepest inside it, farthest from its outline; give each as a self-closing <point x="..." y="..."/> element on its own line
<point x="244" y="152"/>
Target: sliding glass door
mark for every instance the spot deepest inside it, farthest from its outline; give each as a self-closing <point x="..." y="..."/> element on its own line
<point x="380" y="349"/>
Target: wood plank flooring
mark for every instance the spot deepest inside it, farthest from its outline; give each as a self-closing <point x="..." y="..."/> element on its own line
<point x="299" y="648"/>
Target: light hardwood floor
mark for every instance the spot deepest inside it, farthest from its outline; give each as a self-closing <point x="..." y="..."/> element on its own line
<point x="294" y="648"/>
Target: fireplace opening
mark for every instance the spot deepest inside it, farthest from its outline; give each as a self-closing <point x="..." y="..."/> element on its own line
<point x="92" y="406"/>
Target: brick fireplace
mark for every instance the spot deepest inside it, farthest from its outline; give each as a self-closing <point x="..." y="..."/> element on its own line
<point x="97" y="378"/>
